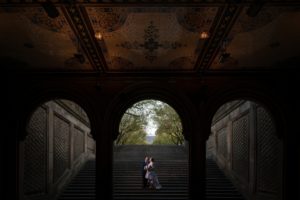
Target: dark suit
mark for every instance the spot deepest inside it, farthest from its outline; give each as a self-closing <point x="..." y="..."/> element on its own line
<point x="145" y="181"/>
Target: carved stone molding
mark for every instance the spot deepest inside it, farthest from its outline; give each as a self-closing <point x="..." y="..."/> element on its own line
<point x="80" y="26"/>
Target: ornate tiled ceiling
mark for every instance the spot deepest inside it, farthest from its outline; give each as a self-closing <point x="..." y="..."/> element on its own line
<point x="148" y="36"/>
<point x="269" y="40"/>
<point x="29" y="39"/>
<point x="151" y="38"/>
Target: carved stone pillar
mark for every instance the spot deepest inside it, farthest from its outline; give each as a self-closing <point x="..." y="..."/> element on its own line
<point x="252" y="148"/>
<point x="104" y="162"/>
<point x="85" y="143"/>
<point x="229" y="145"/>
<point x="197" y="160"/>
<point x="292" y="159"/>
<point x="71" y="137"/>
<point x="50" y="149"/>
<point x="21" y="170"/>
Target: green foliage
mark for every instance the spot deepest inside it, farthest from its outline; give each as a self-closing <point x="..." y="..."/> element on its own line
<point x="131" y="130"/>
<point x="134" y="137"/>
<point x="169" y="123"/>
<point x="162" y="138"/>
<point x="132" y="125"/>
<point x="135" y="120"/>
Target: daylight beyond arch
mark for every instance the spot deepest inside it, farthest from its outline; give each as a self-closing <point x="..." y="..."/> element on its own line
<point x="150" y="122"/>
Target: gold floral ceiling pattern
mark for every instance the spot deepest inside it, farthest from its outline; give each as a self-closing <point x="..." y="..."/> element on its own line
<point x="30" y="39"/>
<point x="141" y="38"/>
<point x="144" y="38"/>
<point x="269" y="40"/>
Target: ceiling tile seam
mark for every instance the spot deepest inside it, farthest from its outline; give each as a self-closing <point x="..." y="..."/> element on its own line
<point x="212" y="31"/>
<point x="227" y="20"/>
<point x="77" y="24"/>
<point x="157" y="3"/>
<point x="94" y="41"/>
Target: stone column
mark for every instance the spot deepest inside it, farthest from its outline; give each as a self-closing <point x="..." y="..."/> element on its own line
<point x="215" y="139"/>
<point x="104" y="162"/>
<point x="21" y="169"/>
<point x="197" y="161"/>
<point x="71" y="137"/>
<point x="50" y="148"/>
<point x="252" y="148"/>
<point x="229" y="145"/>
<point x="291" y="184"/>
<point x="85" y="142"/>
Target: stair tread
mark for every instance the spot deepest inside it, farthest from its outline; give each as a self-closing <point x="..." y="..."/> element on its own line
<point x="172" y="173"/>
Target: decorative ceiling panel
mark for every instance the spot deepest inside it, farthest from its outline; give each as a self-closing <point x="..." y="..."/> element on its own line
<point x="30" y="39"/>
<point x="269" y="40"/>
<point x="151" y="38"/>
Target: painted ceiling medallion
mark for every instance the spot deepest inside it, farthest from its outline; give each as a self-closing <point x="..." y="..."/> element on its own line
<point x="38" y="40"/>
<point x="39" y="17"/>
<point x="151" y="43"/>
<point x="151" y="38"/>
<point x="196" y="19"/>
<point x="107" y="19"/>
<point x="264" y="17"/>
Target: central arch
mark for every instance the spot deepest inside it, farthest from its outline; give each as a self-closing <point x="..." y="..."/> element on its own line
<point x="150" y="122"/>
<point x="135" y="93"/>
<point x="165" y="93"/>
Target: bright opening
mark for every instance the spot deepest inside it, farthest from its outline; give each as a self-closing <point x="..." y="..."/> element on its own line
<point x="150" y="122"/>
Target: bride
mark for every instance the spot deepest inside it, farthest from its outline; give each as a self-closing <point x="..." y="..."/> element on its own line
<point x="152" y="176"/>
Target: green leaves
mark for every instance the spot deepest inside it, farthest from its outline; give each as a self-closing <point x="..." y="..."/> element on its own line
<point x="170" y="128"/>
<point x="148" y="115"/>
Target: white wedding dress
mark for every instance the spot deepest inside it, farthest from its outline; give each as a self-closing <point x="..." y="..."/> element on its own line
<point x="152" y="176"/>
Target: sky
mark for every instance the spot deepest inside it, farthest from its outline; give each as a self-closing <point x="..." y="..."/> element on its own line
<point x="151" y="128"/>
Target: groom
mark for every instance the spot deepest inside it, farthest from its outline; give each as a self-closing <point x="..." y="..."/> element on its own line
<point x="144" y="171"/>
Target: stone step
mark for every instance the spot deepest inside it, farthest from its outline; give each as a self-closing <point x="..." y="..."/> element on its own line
<point x="218" y="186"/>
<point x="83" y="185"/>
<point x="172" y="171"/>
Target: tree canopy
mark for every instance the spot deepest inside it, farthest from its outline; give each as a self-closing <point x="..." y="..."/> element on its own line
<point x="169" y="126"/>
<point x="150" y="116"/>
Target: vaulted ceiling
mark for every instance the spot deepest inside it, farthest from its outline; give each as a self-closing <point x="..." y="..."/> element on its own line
<point x="150" y="36"/>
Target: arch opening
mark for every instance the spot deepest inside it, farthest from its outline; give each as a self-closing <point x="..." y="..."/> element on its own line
<point x="150" y="128"/>
<point x="244" y="144"/>
<point x="150" y="122"/>
<point x="57" y="146"/>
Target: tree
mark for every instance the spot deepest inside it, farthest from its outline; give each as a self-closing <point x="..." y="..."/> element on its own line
<point x="163" y="138"/>
<point x="132" y="125"/>
<point x="153" y="113"/>
<point x="135" y="137"/>
<point x="169" y="123"/>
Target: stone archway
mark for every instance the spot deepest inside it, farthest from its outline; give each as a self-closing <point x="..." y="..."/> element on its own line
<point x="176" y="99"/>
<point x="251" y="93"/>
<point x="263" y="110"/>
<point x="244" y="143"/>
<point x="150" y="122"/>
<point x="38" y="98"/>
<point x="169" y="95"/>
<point x="57" y="144"/>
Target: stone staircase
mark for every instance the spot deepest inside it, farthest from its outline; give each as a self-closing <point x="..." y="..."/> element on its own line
<point x="218" y="185"/>
<point x="83" y="185"/>
<point x="171" y="168"/>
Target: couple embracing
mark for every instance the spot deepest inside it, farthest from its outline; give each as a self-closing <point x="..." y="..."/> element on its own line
<point x="150" y="179"/>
